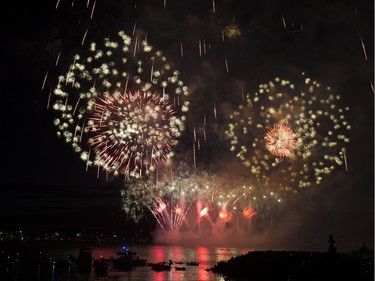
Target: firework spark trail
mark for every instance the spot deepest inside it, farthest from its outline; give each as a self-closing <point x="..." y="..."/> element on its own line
<point x="316" y="135"/>
<point x="92" y="91"/>
<point x="363" y="48"/>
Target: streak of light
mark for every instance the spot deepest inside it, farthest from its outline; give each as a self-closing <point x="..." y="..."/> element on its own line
<point x="92" y="10"/>
<point x="363" y="48"/>
<point x="44" y="80"/>
<point x="284" y="23"/>
<point x="57" y="4"/>
<point x="181" y="50"/>
<point x="346" y="162"/>
<point x="226" y="64"/>
<point x="213" y="6"/>
<point x="134" y="27"/>
<point x="58" y="58"/>
<point x="84" y="36"/>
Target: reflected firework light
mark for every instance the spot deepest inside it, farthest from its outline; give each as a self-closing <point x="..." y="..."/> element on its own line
<point x="121" y="106"/>
<point x="307" y="143"/>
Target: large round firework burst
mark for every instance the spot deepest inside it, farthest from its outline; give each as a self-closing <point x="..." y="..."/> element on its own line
<point x="121" y="107"/>
<point x="290" y="135"/>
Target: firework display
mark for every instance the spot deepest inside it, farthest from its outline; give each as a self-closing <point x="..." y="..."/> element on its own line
<point x="184" y="201"/>
<point x="250" y="155"/>
<point x="289" y="136"/>
<point x="121" y="107"/>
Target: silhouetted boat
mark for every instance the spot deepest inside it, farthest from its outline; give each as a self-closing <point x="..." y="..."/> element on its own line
<point x="194" y="263"/>
<point x="161" y="266"/>
<point x="84" y="259"/>
<point x="100" y="267"/>
<point x="127" y="260"/>
<point x="180" y="267"/>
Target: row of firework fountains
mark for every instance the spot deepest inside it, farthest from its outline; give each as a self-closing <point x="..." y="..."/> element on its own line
<point x="123" y="108"/>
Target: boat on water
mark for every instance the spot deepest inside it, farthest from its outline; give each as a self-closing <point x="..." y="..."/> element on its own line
<point x="127" y="260"/>
<point x="101" y="267"/>
<point x="180" y="268"/>
<point x="84" y="260"/>
<point x="194" y="263"/>
<point x="160" y="266"/>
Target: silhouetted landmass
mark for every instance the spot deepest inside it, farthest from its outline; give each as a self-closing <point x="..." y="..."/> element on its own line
<point x="296" y="265"/>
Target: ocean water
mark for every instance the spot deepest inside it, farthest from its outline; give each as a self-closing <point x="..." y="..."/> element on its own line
<point x="62" y="271"/>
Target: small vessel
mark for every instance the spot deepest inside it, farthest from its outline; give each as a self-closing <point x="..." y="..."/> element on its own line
<point x="160" y="266"/>
<point x="127" y="260"/>
<point x="180" y="268"/>
<point x="194" y="263"/>
<point x="101" y="267"/>
<point x="84" y="259"/>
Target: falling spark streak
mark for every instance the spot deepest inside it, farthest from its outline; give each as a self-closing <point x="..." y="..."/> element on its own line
<point x="363" y="48"/>
<point x="200" y="47"/>
<point x="346" y="163"/>
<point x="92" y="10"/>
<point x="58" y="57"/>
<point x="181" y="50"/>
<point x="195" y="135"/>
<point x="204" y="47"/>
<point x="75" y="108"/>
<point x="134" y="27"/>
<point x="44" y="81"/>
<point x="222" y="35"/>
<point x="226" y="65"/>
<point x="213" y="6"/>
<point x="152" y="70"/>
<point x="57" y="4"/>
<point x="88" y="3"/>
<point x="215" y="110"/>
<point x="284" y="23"/>
<point x="165" y="3"/>
<point x="84" y="36"/>
<point x="135" y="46"/>
<point x="372" y="87"/>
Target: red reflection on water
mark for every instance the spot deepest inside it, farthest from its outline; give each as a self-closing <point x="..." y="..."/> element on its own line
<point x="202" y="254"/>
<point x="158" y="254"/>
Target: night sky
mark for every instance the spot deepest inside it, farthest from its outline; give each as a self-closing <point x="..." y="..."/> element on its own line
<point x="43" y="181"/>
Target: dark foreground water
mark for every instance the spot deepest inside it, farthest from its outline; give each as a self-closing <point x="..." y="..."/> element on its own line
<point x="60" y="269"/>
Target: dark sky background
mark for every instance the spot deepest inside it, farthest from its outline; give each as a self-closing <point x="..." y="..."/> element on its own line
<point x="43" y="182"/>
